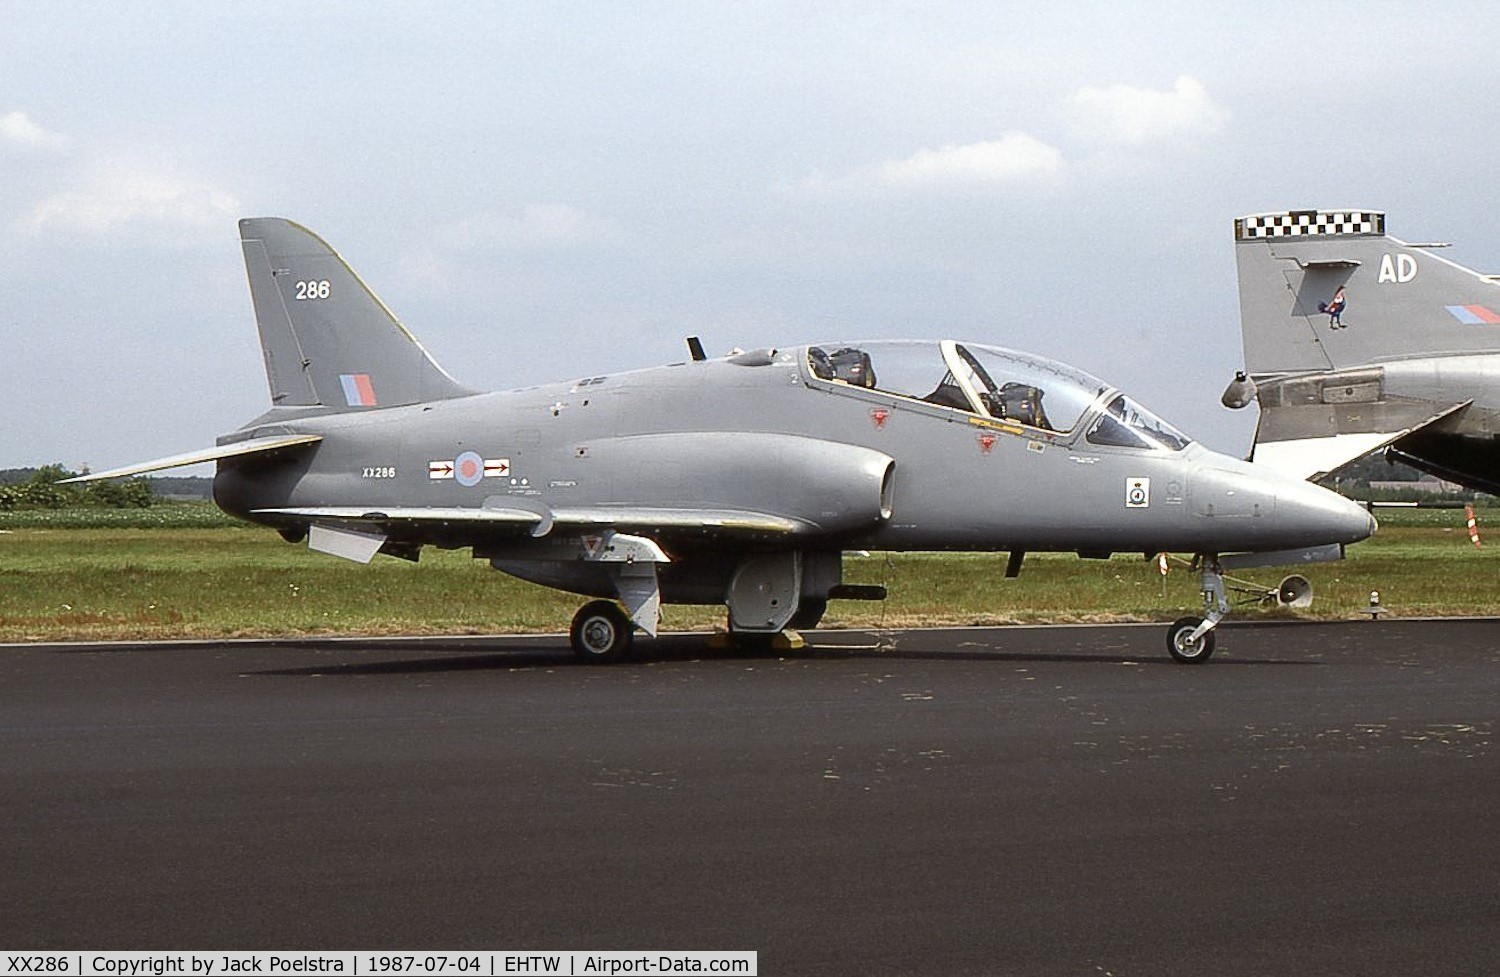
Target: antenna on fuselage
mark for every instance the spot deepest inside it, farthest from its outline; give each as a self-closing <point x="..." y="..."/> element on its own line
<point x="695" y="349"/>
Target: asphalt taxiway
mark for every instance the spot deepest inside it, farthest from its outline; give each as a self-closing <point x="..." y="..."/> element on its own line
<point x="1318" y="799"/>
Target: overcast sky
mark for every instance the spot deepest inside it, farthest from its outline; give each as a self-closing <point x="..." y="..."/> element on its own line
<point x="545" y="191"/>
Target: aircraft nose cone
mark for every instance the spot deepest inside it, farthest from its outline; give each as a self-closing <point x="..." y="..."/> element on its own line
<point x="1320" y="512"/>
<point x="1272" y="511"/>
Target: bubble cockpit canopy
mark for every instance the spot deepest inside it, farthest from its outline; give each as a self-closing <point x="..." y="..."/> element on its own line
<point x="1001" y="384"/>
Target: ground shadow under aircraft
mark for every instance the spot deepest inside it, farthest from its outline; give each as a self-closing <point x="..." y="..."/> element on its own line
<point x="508" y="654"/>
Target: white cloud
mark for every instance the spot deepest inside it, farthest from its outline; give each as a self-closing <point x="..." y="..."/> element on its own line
<point x="1105" y="119"/>
<point x="116" y="196"/>
<point x="1126" y="116"/>
<point x="18" y="129"/>
<point x="538" y="227"/>
<point x="1014" y="159"/>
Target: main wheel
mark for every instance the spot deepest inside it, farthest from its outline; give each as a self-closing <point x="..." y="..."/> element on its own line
<point x="601" y="633"/>
<point x="1186" y="651"/>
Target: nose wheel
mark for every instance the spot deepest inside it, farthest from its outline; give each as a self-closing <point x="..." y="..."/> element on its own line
<point x="1185" y="644"/>
<point x="1190" y="640"/>
<point x="601" y="633"/>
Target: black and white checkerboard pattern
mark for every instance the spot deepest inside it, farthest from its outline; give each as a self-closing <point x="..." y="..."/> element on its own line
<point x="1308" y="223"/>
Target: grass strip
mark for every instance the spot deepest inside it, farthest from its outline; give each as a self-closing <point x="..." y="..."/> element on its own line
<point x="64" y="581"/>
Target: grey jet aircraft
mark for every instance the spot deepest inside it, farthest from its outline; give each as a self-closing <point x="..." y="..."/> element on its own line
<point x="739" y="481"/>
<point x="1355" y="341"/>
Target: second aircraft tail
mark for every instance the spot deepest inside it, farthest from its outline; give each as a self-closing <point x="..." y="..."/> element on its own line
<point x="1345" y="332"/>
<point x="1329" y="290"/>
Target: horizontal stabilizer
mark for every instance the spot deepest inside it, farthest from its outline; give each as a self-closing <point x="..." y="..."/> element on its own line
<point x="253" y="446"/>
<point x="1317" y="455"/>
<point x="1312" y="458"/>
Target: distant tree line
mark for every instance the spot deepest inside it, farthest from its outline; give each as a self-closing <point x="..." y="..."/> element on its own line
<point x="41" y="488"/>
<point x="169" y="487"/>
<point x="1373" y="479"/>
<point x="1375" y="468"/>
<point x="181" y="486"/>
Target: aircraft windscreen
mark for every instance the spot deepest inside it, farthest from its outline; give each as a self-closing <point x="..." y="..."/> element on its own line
<point x="1129" y="425"/>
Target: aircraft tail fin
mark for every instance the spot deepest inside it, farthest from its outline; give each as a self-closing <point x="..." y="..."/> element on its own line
<point x="328" y="339"/>
<point x="1329" y="290"/>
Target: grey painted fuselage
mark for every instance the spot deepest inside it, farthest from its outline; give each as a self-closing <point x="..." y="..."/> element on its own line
<point x="774" y="439"/>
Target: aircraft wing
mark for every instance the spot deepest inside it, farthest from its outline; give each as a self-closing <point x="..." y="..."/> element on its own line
<point x="1311" y="441"/>
<point x="542" y="523"/>
<point x="394" y="515"/>
<point x="253" y="446"/>
<point x="725" y="520"/>
<point x="358" y="533"/>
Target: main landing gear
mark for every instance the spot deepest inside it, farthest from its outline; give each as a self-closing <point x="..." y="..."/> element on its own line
<point x="769" y="595"/>
<point x="1190" y="640"/>
<point x="601" y="632"/>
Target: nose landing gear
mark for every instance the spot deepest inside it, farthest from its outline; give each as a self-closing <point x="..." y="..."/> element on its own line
<point x="1190" y="640"/>
<point x="1186" y="644"/>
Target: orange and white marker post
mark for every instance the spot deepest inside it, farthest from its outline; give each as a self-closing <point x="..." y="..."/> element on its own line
<point x="1473" y="525"/>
